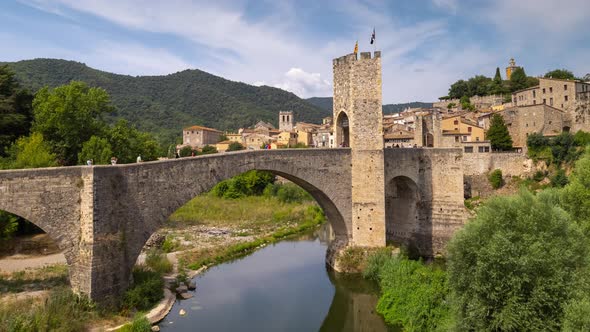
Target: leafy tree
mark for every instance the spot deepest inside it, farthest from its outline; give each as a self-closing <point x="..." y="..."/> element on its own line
<point x="498" y="134"/>
<point x="466" y="104"/>
<point x="563" y="74"/>
<point x="563" y="148"/>
<point x="186" y="151"/>
<point x="98" y="149"/>
<point x="235" y="146"/>
<point x="127" y="143"/>
<point x="31" y="152"/>
<point x="208" y="149"/>
<point x="68" y="116"/>
<point x="559" y="179"/>
<point x="518" y="80"/>
<point x="575" y="197"/>
<point x="15" y="110"/>
<point x="516" y="265"/>
<point x="8" y="224"/>
<point x="497" y="76"/>
<point x="582" y="138"/>
<point x="459" y="89"/>
<point x="495" y="179"/>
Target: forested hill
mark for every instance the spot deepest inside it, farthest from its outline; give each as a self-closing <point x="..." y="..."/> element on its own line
<point x="164" y="105"/>
<point x="326" y="104"/>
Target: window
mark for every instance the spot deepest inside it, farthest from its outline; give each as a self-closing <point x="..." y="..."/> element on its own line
<point x="526" y="125"/>
<point x="456" y="122"/>
<point x="464" y="138"/>
<point x="486" y="149"/>
<point x="468" y="129"/>
<point x="469" y="149"/>
<point x="456" y="138"/>
<point x="480" y="149"/>
<point x="551" y="90"/>
<point x="565" y="97"/>
<point x="565" y="87"/>
<point x="456" y="129"/>
<point x="477" y="139"/>
<point x="534" y="102"/>
<point x="544" y="101"/>
<point x="543" y="90"/>
<point x="551" y="101"/>
<point x="534" y="93"/>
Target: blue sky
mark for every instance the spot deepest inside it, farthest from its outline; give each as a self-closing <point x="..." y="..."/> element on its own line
<point x="426" y="44"/>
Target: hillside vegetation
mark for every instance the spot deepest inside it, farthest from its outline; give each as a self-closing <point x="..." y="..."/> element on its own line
<point x="164" y="104"/>
<point x="326" y="104"/>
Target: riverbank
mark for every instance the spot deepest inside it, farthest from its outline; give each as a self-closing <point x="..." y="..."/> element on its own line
<point x="206" y="231"/>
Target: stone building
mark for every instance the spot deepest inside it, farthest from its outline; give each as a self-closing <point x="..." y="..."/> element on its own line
<point x="286" y="139"/>
<point x="255" y="141"/>
<point x="462" y="129"/>
<point x="198" y="137"/>
<point x="562" y="94"/>
<point x="428" y="130"/>
<point x="396" y="135"/>
<point x="286" y="121"/>
<point x="525" y="120"/>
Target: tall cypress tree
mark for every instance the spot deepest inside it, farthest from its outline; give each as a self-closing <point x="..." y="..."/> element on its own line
<point x="498" y="134"/>
<point x="498" y="77"/>
<point x="15" y="110"/>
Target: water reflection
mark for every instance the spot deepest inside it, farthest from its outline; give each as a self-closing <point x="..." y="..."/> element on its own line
<point x="283" y="287"/>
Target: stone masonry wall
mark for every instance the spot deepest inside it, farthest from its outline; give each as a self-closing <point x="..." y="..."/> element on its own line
<point x="511" y="164"/>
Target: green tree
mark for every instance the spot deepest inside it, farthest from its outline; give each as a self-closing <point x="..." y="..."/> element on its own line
<point x="498" y="77"/>
<point x="563" y="74"/>
<point x="235" y="146"/>
<point x="458" y="89"/>
<point x="127" y="143"/>
<point x="68" y="116"/>
<point x="498" y="134"/>
<point x="208" y="149"/>
<point x="31" y="152"/>
<point x="8" y="225"/>
<point x="186" y="151"/>
<point x="518" y="80"/>
<point x="98" y="149"/>
<point x="15" y="110"/>
<point x="516" y="265"/>
<point x="495" y="179"/>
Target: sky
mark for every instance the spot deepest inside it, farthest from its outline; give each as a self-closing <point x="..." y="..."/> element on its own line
<point x="426" y="45"/>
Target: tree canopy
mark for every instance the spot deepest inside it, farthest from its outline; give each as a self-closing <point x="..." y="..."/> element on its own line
<point x="563" y="74"/>
<point x="15" y="110"/>
<point x="498" y="134"/>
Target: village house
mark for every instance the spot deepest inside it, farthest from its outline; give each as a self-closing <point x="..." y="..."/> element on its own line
<point x="286" y="139"/>
<point x="462" y="129"/>
<point x="396" y="135"/>
<point x="198" y="136"/>
<point x="558" y="93"/>
<point x="223" y="146"/>
<point x="256" y="141"/>
<point x="525" y="120"/>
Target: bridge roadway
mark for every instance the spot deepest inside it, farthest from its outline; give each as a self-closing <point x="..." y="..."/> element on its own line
<point x="101" y="216"/>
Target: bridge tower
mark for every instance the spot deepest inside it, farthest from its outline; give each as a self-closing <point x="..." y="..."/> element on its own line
<point x="358" y="124"/>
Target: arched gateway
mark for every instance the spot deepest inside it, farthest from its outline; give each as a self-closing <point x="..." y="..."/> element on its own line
<point x="103" y="215"/>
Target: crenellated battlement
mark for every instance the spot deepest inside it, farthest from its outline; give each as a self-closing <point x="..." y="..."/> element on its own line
<point x="352" y="57"/>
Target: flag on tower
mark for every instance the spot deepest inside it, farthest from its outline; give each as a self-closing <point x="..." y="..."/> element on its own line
<point x="356" y="47"/>
<point x="373" y="37"/>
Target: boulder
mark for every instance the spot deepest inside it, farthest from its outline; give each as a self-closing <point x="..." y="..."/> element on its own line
<point x="192" y="285"/>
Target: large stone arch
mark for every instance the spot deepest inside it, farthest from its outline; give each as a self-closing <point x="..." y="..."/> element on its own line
<point x="133" y="201"/>
<point x="402" y="210"/>
<point x="53" y="200"/>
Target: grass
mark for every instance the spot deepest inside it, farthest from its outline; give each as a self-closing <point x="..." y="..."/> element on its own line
<point x="139" y="324"/>
<point x="158" y="262"/>
<point x="62" y="310"/>
<point x="308" y="219"/>
<point x="252" y="212"/>
<point x="32" y="280"/>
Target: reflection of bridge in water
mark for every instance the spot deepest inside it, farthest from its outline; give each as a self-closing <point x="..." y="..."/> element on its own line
<point x="102" y="216"/>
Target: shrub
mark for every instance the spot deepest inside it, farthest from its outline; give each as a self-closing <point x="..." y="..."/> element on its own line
<point x="539" y="176"/>
<point x="495" y="179"/>
<point x="413" y="295"/>
<point x="515" y="266"/>
<point x="139" y="324"/>
<point x="208" y="149"/>
<point x="146" y="291"/>
<point x="235" y="146"/>
<point x="186" y="151"/>
<point x="158" y="262"/>
<point x="291" y="193"/>
<point x="559" y="179"/>
<point x="169" y="245"/>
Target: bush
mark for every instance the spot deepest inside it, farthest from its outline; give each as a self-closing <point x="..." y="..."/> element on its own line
<point x="413" y="295"/>
<point x="577" y="316"/>
<point x="495" y="179"/>
<point x="539" y="176"/>
<point x="146" y="291"/>
<point x="158" y="262"/>
<point x="187" y="151"/>
<point x="139" y="324"/>
<point x="246" y="184"/>
<point x="62" y="311"/>
<point x="559" y="179"/>
<point x="235" y="146"/>
<point x="208" y="149"/>
<point x="515" y="266"/>
<point x="291" y="193"/>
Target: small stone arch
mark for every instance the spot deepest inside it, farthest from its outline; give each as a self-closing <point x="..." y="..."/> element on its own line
<point x="402" y="210"/>
<point x="342" y="130"/>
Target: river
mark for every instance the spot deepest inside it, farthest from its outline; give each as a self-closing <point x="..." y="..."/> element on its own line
<point x="282" y="287"/>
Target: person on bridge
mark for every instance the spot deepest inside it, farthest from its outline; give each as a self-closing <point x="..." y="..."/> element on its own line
<point x="139" y="158"/>
<point x="113" y="160"/>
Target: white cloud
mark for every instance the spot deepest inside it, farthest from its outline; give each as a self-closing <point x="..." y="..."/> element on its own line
<point x="305" y="84"/>
<point x="450" y="5"/>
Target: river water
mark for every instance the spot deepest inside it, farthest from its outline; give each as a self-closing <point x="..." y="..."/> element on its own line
<point x="282" y="287"/>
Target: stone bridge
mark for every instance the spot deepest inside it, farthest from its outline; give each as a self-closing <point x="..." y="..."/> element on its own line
<point x="101" y="216"/>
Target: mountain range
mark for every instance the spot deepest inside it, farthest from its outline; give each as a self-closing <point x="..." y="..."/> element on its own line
<point x="163" y="105"/>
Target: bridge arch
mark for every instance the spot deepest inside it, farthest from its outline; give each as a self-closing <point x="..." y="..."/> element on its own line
<point x="402" y="209"/>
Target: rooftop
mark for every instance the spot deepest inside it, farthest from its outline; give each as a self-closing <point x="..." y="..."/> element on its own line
<point x="201" y="128"/>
